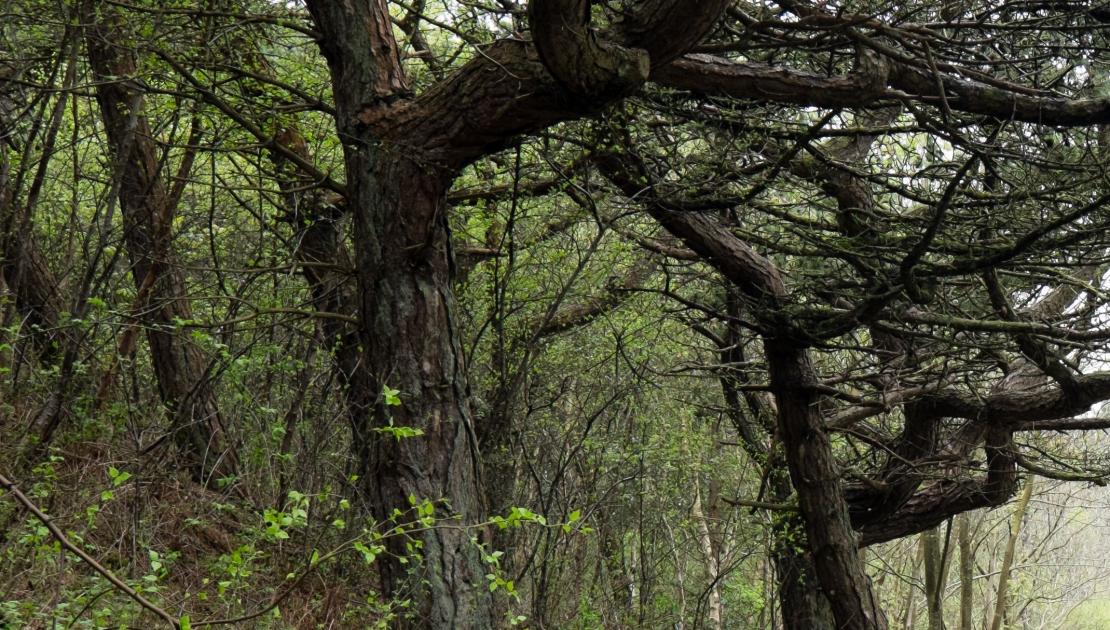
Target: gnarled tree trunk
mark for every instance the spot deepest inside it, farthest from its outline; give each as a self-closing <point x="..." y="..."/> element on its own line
<point x="816" y="479"/>
<point x="401" y="154"/>
<point x="410" y="344"/>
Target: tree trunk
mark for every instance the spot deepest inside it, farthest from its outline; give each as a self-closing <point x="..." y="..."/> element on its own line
<point x="712" y="560"/>
<point x="967" y="565"/>
<point x="802" y="602"/>
<point x="794" y="386"/>
<point x="936" y="576"/>
<point x="148" y="207"/>
<point x="23" y="266"/>
<point x="401" y="154"/>
<point x="1008" y="559"/>
<point x="804" y="605"/>
<point x="909" y="616"/>
<point x="409" y="340"/>
<point x="817" y="481"/>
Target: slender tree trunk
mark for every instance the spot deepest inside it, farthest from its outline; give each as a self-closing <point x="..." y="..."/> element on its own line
<point x="679" y="574"/>
<point x="909" y="610"/>
<point x="318" y="246"/>
<point x="712" y="561"/>
<point x="620" y="581"/>
<point x="35" y="296"/>
<point x="148" y="206"/>
<point x="1016" y="519"/>
<point x="936" y="576"/>
<point x="967" y="566"/>
<point x="316" y="215"/>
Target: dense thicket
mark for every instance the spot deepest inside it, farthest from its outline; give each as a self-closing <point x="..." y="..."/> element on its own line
<point x="560" y="313"/>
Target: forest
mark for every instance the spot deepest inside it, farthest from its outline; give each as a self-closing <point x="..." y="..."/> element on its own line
<point x="555" y="314"/>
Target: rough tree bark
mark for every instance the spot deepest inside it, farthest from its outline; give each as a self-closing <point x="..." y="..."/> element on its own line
<point x="816" y="478"/>
<point x="802" y="603"/>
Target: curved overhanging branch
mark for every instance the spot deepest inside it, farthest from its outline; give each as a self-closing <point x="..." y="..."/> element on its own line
<point x="583" y="63"/>
<point x="948" y="497"/>
<point x="516" y="87"/>
<point x="992" y="424"/>
<point x="1015" y="408"/>
<point x="1044" y="407"/>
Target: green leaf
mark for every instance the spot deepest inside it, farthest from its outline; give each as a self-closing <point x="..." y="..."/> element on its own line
<point x="184" y="623"/>
<point x="369" y="552"/>
<point x="118" y="478"/>
<point x="392" y="396"/>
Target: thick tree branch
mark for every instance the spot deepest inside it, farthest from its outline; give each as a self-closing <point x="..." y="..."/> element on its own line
<point x="716" y="76"/>
<point x="870" y="85"/>
<point x="507" y="90"/>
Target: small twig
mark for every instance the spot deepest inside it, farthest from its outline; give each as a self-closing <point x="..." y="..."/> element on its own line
<point x="761" y="505"/>
<point x="8" y="485"/>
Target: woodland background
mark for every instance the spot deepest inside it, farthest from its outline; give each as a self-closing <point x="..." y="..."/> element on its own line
<point x="554" y="314"/>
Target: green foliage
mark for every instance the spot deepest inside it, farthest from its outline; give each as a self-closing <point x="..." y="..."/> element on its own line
<point x="1090" y="615"/>
<point x="612" y="428"/>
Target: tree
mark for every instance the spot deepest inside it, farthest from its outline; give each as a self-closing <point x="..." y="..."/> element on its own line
<point x="401" y="154"/>
<point x="148" y="204"/>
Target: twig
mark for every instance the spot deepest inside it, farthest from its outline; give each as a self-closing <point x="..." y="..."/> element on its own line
<point x="66" y="544"/>
<point x="761" y="505"/>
